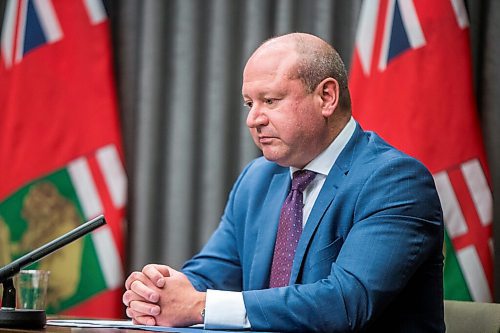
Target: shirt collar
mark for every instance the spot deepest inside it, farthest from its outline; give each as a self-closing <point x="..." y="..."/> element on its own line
<point x="322" y="163"/>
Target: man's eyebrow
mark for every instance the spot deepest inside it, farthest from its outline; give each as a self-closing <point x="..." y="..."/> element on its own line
<point x="262" y="94"/>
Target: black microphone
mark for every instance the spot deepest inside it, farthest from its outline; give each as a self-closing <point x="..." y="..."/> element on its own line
<point x="9" y="316"/>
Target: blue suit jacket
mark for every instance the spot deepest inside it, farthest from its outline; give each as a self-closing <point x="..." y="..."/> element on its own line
<point x="369" y="259"/>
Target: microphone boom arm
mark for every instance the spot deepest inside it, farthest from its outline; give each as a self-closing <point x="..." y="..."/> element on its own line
<point x="9" y="270"/>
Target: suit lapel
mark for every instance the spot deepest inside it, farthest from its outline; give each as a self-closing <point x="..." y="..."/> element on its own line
<point x="333" y="181"/>
<point x="268" y="221"/>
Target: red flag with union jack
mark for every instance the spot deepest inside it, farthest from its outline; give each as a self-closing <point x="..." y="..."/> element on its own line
<point x="60" y="150"/>
<point x="411" y="81"/>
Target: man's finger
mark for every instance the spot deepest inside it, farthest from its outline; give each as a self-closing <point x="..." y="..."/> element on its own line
<point x="129" y="312"/>
<point x="134" y="276"/>
<point x="138" y="319"/>
<point x="156" y="273"/>
<point x="146" y="292"/>
<point x="144" y="309"/>
<point x="144" y="320"/>
<point x="129" y="296"/>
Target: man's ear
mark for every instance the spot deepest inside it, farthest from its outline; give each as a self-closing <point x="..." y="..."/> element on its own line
<point x="328" y="90"/>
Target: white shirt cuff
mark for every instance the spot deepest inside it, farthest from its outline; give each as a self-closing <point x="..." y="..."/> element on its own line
<point x="225" y="310"/>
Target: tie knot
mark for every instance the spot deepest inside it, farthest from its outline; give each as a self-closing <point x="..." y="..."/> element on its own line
<point x="301" y="179"/>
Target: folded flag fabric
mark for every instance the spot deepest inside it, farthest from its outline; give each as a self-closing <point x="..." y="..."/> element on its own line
<point x="411" y="81"/>
<point x="60" y="150"/>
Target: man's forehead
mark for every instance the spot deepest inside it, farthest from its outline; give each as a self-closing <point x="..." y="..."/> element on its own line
<point x="270" y="62"/>
<point x="262" y="83"/>
<point x="275" y="46"/>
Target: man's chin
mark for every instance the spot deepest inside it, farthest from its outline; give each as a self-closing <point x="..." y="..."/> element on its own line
<point x="278" y="159"/>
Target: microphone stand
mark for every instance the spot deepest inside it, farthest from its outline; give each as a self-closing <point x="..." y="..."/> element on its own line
<point x="34" y="319"/>
<point x="18" y="318"/>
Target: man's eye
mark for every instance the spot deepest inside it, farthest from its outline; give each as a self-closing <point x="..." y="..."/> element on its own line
<point x="248" y="104"/>
<point x="269" y="101"/>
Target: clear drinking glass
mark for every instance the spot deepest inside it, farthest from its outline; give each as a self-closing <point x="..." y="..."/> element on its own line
<point x="31" y="289"/>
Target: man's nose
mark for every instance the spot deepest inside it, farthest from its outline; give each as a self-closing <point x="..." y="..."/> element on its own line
<point x="256" y="117"/>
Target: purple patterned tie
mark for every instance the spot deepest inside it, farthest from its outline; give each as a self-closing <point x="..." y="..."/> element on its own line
<point x="289" y="230"/>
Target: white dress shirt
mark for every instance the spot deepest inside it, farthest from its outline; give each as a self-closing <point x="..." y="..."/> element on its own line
<point x="226" y="309"/>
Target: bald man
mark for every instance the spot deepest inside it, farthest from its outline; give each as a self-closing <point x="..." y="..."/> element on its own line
<point x="332" y="230"/>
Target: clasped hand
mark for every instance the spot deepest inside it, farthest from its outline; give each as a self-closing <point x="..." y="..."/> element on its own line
<point x="160" y="295"/>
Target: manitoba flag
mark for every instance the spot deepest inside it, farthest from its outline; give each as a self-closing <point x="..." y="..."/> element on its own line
<point x="411" y="82"/>
<point x="60" y="150"/>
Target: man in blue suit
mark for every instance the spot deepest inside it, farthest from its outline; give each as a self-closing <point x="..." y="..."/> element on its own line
<point x="367" y="254"/>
